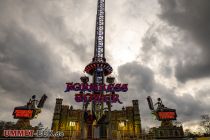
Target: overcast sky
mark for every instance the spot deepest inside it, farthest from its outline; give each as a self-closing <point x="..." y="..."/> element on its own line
<point x="160" y="48"/>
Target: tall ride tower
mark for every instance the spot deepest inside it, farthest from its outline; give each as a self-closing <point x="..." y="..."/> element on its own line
<point x="103" y="123"/>
<point x="99" y="68"/>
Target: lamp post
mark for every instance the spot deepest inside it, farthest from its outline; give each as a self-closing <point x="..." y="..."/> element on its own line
<point x="84" y="80"/>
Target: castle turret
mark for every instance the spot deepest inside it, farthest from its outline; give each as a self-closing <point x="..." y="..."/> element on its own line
<point x="64" y="117"/>
<point x="57" y="114"/>
<point x="137" y="119"/>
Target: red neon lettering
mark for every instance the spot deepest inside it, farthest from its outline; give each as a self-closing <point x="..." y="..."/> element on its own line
<point x="107" y="97"/>
<point x="124" y="87"/>
<point x="78" y="97"/>
<point x="102" y="87"/>
<point x="69" y="87"/>
<point x="23" y="113"/>
<point x="95" y="87"/>
<point x="12" y="133"/>
<point x="96" y="97"/>
<point x="117" y="87"/>
<point x="77" y="86"/>
<point x="6" y="133"/>
<point x="88" y="97"/>
<point x="18" y="133"/>
<point x="115" y="98"/>
<point x="166" y="115"/>
<point x="84" y="87"/>
<point x="110" y="88"/>
<point x="29" y="133"/>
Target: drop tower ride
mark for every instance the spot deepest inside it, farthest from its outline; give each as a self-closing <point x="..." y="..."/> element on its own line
<point x="96" y="121"/>
<point x="99" y="68"/>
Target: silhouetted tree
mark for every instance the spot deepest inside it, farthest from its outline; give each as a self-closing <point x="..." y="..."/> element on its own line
<point x="7" y="125"/>
<point x="205" y="123"/>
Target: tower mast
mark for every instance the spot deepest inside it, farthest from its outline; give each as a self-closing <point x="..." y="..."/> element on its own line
<point x="99" y="50"/>
<point x="98" y="68"/>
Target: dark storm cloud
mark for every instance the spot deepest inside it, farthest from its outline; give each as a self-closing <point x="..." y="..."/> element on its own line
<point x="188" y="107"/>
<point x="153" y="49"/>
<point x="28" y="64"/>
<point x="29" y="67"/>
<point x="192" y="17"/>
<point x="48" y="18"/>
<point x="25" y="67"/>
<point x="22" y="58"/>
<point x="137" y="75"/>
<point x="21" y="50"/>
<point x="142" y="84"/>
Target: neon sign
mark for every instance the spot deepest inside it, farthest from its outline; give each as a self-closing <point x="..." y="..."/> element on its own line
<point x="169" y="115"/>
<point x="23" y="114"/>
<point x="113" y="98"/>
<point x="96" y="87"/>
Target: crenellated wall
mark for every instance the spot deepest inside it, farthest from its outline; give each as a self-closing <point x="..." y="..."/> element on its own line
<point x="125" y="122"/>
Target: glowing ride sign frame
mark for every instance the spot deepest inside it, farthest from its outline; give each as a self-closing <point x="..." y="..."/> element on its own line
<point x="167" y="115"/>
<point x="113" y="98"/>
<point x="98" y="89"/>
<point x="23" y="113"/>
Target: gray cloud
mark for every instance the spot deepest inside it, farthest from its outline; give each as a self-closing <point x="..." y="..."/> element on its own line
<point x="28" y="64"/>
<point x="137" y="75"/>
<point x="29" y="67"/>
<point x="48" y="20"/>
<point x="142" y="84"/>
<point x="189" y="108"/>
<point x="191" y="17"/>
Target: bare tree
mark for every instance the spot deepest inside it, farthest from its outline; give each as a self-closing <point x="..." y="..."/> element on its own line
<point x="205" y="123"/>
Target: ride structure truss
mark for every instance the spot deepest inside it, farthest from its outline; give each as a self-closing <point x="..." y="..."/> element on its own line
<point x="99" y="68"/>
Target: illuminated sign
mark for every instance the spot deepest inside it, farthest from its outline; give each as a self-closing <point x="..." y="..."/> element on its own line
<point x="113" y="98"/>
<point x="23" y="113"/>
<point x="96" y="87"/>
<point x="166" y="115"/>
